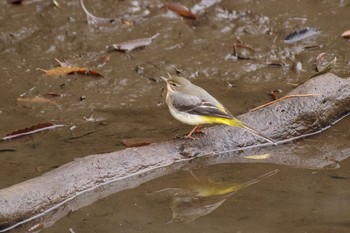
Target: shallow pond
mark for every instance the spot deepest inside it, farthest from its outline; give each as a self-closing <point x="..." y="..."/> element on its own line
<point x="128" y="102"/>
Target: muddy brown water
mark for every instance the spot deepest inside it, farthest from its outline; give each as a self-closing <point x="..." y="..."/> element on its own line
<point x="127" y="104"/>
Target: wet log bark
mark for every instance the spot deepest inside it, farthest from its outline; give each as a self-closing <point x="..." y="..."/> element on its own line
<point x="90" y="178"/>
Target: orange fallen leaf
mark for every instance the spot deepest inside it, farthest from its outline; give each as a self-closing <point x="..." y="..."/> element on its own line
<point x="31" y="130"/>
<point x="180" y="10"/>
<point x="70" y="70"/>
<point x="346" y="34"/>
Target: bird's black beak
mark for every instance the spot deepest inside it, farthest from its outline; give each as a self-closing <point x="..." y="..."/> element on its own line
<point x="165" y="79"/>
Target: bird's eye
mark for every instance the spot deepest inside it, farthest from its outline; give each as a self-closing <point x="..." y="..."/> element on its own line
<point x="174" y="84"/>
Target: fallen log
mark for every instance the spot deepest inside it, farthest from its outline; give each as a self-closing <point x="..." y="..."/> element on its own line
<point x="47" y="198"/>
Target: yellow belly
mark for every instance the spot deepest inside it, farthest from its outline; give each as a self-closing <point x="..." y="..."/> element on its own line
<point x="191" y="119"/>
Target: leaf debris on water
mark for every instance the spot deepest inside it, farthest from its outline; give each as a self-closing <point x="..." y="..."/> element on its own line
<point x="130" y="45"/>
<point x="31" y="130"/>
<point x="70" y="70"/>
<point x="67" y="67"/>
<point x="301" y="35"/>
<point x="180" y="10"/>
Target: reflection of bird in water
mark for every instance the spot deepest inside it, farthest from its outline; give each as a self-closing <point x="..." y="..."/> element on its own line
<point x="192" y="105"/>
<point x="202" y="198"/>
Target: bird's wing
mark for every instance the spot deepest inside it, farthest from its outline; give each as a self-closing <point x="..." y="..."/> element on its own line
<point x="194" y="105"/>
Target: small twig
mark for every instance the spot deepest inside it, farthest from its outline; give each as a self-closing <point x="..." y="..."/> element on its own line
<point x="229" y="85"/>
<point x="80" y="136"/>
<point x="280" y="99"/>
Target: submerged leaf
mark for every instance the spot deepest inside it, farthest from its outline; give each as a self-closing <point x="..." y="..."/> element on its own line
<point x="130" y="45"/>
<point x="301" y="35"/>
<point x="31" y="130"/>
<point x="70" y="70"/>
<point x="180" y="10"/>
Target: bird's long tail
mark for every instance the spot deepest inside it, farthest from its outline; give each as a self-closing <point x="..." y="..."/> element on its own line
<point x="259" y="134"/>
<point x="236" y="123"/>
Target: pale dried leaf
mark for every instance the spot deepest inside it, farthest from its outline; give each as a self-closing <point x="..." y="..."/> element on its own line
<point x="130" y="45"/>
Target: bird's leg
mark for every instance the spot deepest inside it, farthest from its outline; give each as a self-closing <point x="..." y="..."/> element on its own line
<point x="196" y="129"/>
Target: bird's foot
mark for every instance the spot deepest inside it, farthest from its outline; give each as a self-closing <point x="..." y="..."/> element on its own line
<point x="195" y="130"/>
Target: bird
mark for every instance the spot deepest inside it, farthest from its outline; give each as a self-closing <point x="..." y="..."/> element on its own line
<point x="192" y="105"/>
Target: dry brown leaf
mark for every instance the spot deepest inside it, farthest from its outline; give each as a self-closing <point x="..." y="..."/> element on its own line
<point x="180" y="10"/>
<point x="70" y="70"/>
<point x="280" y="99"/>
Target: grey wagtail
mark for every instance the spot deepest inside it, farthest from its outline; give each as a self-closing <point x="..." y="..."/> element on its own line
<point x="192" y="105"/>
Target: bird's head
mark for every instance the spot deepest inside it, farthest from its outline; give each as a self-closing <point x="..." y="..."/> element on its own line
<point x="176" y="83"/>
